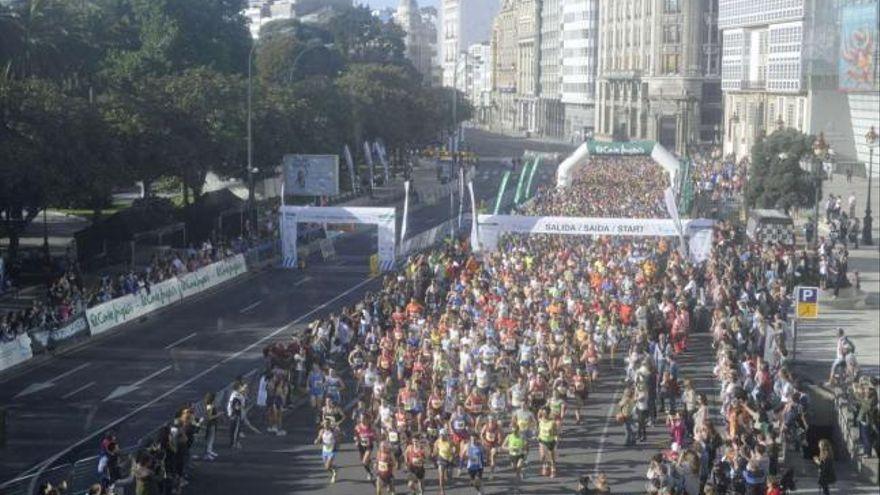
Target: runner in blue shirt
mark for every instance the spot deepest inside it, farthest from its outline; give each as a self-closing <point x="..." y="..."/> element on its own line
<point x="475" y="458"/>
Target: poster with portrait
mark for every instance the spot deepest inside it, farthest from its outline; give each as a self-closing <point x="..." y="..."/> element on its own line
<point x="311" y="175"/>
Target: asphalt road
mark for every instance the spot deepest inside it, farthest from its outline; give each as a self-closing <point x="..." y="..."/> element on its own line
<point x="144" y="370"/>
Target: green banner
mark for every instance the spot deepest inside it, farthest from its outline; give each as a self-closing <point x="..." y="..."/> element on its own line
<point x="620" y="147"/>
<point x="501" y="190"/>
<point x="522" y="179"/>
<point x="535" y="166"/>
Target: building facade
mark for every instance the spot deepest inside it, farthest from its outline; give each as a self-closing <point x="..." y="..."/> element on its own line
<point x="579" y="66"/>
<point x="503" y="111"/>
<point x="528" y="19"/>
<point x="420" y="39"/>
<point x="462" y="24"/>
<point x="785" y="66"/>
<point x="659" y="71"/>
<point x="550" y="111"/>
<point x="478" y="63"/>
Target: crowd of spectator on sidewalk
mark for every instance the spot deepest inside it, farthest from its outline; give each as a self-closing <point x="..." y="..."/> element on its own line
<point x="70" y="295"/>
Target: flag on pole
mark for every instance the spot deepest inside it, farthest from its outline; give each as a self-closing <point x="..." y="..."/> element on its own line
<point x="518" y="197"/>
<point x="380" y="152"/>
<point x="535" y="164"/>
<point x="475" y="234"/>
<point x="460" y="195"/>
<point x="501" y="190"/>
<point x="351" y="173"/>
<point x="369" y="154"/>
<point x="405" y="220"/>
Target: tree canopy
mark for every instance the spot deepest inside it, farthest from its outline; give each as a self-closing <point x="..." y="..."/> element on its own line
<point x="776" y="179"/>
<point x="97" y="94"/>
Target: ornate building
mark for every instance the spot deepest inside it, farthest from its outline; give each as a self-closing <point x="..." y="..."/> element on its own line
<point x="659" y="71"/>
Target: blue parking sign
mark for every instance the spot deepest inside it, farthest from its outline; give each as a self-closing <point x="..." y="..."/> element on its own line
<point x="807" y="302"/>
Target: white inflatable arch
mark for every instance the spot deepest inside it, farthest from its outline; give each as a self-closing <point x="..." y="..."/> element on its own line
<point x="581" y="157"/>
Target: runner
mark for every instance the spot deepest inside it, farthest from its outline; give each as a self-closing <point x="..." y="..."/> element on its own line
<point x="475" y="458"/>
<point x="444" y="451"/>
<point x="327" y="437"/>
<point x="415" y="463"/>
<point x="547" y="436"/>
<point x="364" y="437"/>
<point x="385" y="466"/>
<point x="491" y="436"/>
<point x="516" y="446"/>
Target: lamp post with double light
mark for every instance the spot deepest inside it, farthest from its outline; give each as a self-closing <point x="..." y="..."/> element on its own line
<point x="820" y="151"/>
<point x="867" y="227"/>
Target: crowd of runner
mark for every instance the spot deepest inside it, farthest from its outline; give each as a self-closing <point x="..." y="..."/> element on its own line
<point x="471" y="364"/>
<point x="610" y="187"/>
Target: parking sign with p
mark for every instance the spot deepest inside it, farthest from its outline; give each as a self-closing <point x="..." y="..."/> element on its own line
<point x="807" y="302"/>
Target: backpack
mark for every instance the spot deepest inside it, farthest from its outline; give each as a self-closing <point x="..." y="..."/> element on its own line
<point x="848" y="345"/>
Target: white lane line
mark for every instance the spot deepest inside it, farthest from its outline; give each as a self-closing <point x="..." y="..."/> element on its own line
<point x="71" y="394"/>
<point x="302" y="280"/>
<point x="199" y="375"/>
<point x="250" y="307"/>
<point x="127" y="389"/>
<point x="38" y="386"/>
<point x="70" y="372"/>
<point x="600" y="451"/>
<point x="180" y="341"/>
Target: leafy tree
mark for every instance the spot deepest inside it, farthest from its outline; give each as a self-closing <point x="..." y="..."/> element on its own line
<point x="289" y="51"/>
<point x="776" y="179"/>
<point x="363" y="38"/>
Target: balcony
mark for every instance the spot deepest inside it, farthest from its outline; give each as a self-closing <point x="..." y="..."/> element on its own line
<point x="760" y="84"/>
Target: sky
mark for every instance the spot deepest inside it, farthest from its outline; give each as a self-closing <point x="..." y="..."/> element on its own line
<point x="379" y="4"/>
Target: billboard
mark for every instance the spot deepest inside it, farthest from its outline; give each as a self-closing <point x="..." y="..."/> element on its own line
<point x="857" y="61"/>
<point x="311" y="175"/>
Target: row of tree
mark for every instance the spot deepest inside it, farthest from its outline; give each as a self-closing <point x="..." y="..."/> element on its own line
<point x="98" y="94"/>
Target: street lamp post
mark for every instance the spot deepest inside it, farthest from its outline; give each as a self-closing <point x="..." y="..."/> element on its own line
<point x="867" y="233"/>
<point x="820" y="150"/>
<point x="250" y="117"/>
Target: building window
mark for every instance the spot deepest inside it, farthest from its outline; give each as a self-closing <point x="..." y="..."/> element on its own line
<point x="671" y="63"/>
<point x="671" y="34"/>
<point x="671" y="6"/>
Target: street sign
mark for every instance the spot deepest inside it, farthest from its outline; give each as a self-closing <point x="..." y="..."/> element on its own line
<point x="807" y="302"/>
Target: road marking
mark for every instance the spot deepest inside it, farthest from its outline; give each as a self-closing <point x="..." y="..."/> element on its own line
<point x="601" y="449"/>
<point x="38" y="386"/>
<point x="180" y="341"/>
<point x="186" y="383"/>
<point x="250" y="307"/>
<point x="71" y="394"/>
<point x="127" y="389"/>
<point x="302" y="280"/>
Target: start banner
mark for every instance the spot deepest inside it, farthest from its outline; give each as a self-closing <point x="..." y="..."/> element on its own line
<point x="491" y="227"/>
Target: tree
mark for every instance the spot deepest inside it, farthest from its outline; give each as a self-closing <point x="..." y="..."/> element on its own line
<point x="363" y="38"/>
<point x="776" y="179"/>
<point x="204" y="112"/>
<point x="31" y="123"/>
<point x="290" y="51"/>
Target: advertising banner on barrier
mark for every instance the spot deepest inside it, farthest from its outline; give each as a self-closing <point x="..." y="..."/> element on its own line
<point x="49" y="339"/>
<point x="15" y="351"/>
<point x="113" y="313"/>
<point x="133" y="306"/>
<point x="311" y="175"/>
<point x="214" y="274"/>
<point x="385" y="219"/>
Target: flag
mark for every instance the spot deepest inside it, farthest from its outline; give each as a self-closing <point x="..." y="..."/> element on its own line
<point x="351" y="173"/>
<point x="369" y="154"/>
<point x="535" y="164"/>
<point x="380" y="152"/>
<point x="405" y="211"/>
<point x="501" y="190"/>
